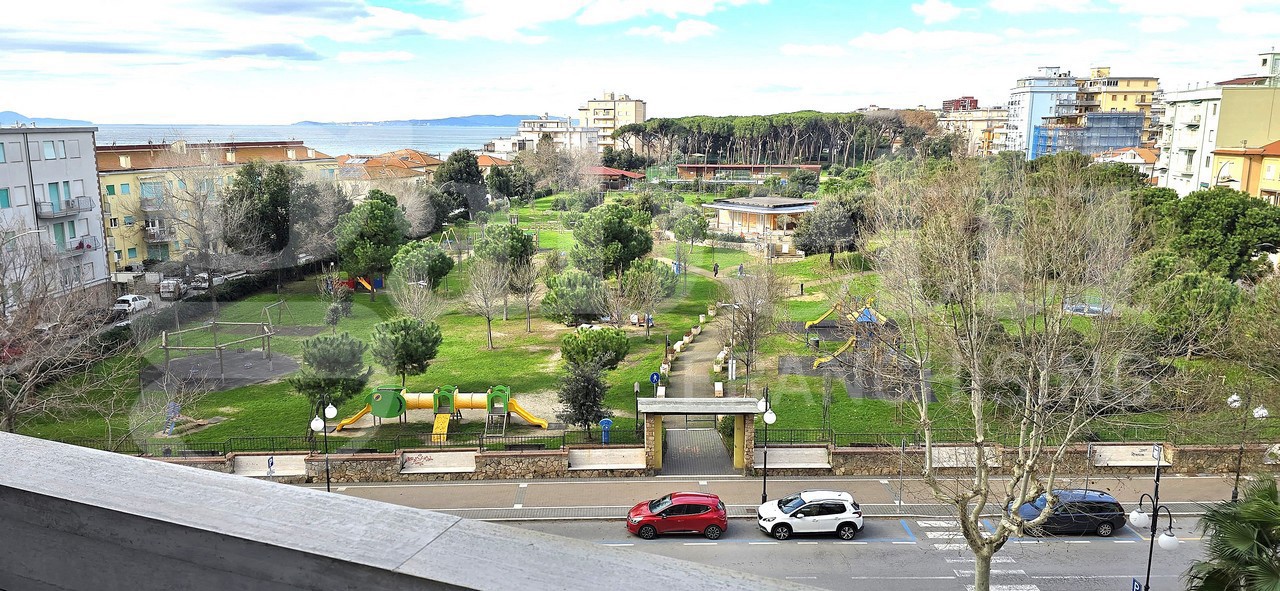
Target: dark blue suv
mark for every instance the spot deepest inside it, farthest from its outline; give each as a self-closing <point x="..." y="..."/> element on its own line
<point x="1078" y="511"/>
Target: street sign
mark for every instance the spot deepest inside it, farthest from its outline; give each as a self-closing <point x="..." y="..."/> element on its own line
<point x="654" y="378"/>
<point x="1136" y="585"/>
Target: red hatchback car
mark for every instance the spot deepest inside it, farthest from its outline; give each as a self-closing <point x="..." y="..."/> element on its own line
<point x="679" y="512"/>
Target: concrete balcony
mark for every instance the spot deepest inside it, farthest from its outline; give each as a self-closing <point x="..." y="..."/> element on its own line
<point x="72" y="247"/>
<point x="151" y="204"/>
<point x="46" y="210"/>
<point x="161" y="234"/>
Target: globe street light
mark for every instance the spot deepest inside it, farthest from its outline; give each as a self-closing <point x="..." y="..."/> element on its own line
<point x="1259" y="413"/>
<point x="765" y="406"/>
<point x="320" y="425"/>
<point x="1140" y="519"/>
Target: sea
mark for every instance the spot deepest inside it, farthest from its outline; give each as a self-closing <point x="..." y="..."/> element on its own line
<point x="329" y="139"/>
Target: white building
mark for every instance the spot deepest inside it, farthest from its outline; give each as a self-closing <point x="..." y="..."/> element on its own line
<point x="50" y="213"/>
<point x="1051" y="93"/>
<point x="562" y="133"/>
<point x="609" y="112"/>
<point x="1190" y="132"/>
<point x="1142" y="159"/>
<point x="982" y="129"/>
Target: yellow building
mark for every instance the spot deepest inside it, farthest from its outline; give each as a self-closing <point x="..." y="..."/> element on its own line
<point x="1103" y="93"/>
<point x="157" y="197"/>
<point x="1255" y="171"/>
<point x="609" y="112"/>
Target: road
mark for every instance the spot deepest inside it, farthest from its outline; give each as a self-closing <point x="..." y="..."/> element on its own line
<point x="908" y="555"/>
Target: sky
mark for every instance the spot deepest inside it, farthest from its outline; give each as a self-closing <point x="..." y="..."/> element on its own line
<point x="281" y="61"/>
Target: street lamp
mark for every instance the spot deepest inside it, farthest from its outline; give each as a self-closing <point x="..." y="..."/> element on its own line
<point x="1140" y="519"/>
<point x="20" y="235"/>
<point x="319" y="426"/>
<point x="1234" y="401"/>
<point x="766" y="406"/>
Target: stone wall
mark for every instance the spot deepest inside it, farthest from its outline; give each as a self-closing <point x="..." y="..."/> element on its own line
<point x="354" y="467"/>
<point x="215" y="464"/>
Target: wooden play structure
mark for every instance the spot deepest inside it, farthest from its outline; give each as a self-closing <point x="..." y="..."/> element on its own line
<point x="264" y="333"/>
<point x="868" y="331"/>
<point x="389" y="402"/>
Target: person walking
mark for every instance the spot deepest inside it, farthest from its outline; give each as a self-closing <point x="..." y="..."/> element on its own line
<point x="741" y="273"/>
<point x="715" y="270"/>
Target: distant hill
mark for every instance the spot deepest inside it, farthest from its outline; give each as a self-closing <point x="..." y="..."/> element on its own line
<point x="467" y="121"/>
<point x="9" y="118"/>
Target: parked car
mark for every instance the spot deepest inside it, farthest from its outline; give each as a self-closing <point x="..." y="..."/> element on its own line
<point x="172" y="289"/>
<point x="1077" y="511"/>
<point x="679" y="512"/>
<point x="201" y="281"/>
<point x="131" y="303"/>
<point x="811" y="512"/>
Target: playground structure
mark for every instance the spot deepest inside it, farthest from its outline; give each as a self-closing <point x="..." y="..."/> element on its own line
<point x="867" y="327"/>
<point x="389" y="402"/>
<point x="265" y="332"/>
<point x="280" y="307"/>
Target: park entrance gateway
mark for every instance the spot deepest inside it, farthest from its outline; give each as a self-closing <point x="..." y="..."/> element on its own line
<point x="743" y="411"/>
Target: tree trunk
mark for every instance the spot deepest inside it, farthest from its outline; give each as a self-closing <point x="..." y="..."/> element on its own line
<point x="504" y="307"/>
<point x="7" y="425"/>
<point x="982" y="571"/>
<point x="528" y="324"/>
<point x="646" y="325"/>
<point x="488" y="323"/>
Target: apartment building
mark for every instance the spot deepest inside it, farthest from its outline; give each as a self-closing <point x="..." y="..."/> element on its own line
<point x="982" y="129"/>
<point x="964" y="103"/>
<point x="564" y="135"/>
<point x="51" y="236"/>
<point x="1048" y="94"/>
<point x="609" y="112"/>
<point x="161" y="198"/>
<point x="1222" y="134"/>
<point x="1103" y="93"/>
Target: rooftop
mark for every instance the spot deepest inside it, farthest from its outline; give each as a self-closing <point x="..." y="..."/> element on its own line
<point x="769" y="202"/>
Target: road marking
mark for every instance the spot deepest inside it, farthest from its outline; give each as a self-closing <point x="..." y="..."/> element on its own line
<point x="950" y="546"/>
<point x="994" y="560"/>
<point x="1077" y="541"/>
<point x="815" y="543"/>
<point x="526" y="484"/>
<point x="969" y="573"/>
<point x="942" y="578"/>
<point x="1008" y="588"/>
<point x="704" y="483"/>
<point x="911" y="543"/>
<point x="518" y="506"/>
<point x="769" y="543"/>
<point x="943" y="523"/>
<point x="887" y="482"/>
<point x="944" y="534"/>
<point x="1125" y="541"/>
<point x="817" y="577"/>
<point x="908" y="530"/>
<point x="1028" y="542"/>
<point x="699" y="543"/>
<point x="343" y="488"/>
<point x="622" y="545"/>
<point x="853" y="543"/>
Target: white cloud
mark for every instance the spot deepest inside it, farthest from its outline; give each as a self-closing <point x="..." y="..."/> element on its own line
<point x="373" y="57"/>
<point x="1023" y="6"/>
<point x="1041" y="33"/>
<point x="936" y="11"/>
<point x="1161" y="24"/>
<point x="597" y="12"/>
<point x="794" y="50"/>
<point x="905" y="41"/>
<point x="683" y="31"/>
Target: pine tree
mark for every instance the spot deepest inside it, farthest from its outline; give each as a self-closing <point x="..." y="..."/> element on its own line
<point x="582" y="392"/>
<point x="406" y="346"/>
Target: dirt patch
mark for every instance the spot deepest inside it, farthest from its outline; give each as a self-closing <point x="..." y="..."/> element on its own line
<point x="231" y="410"/>
<point x="239" y="367"/>
<point x="281" y="331"/>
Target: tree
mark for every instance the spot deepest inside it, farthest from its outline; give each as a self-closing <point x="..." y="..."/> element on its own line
<point x="647" y="283"/>
<point x="405" y="346"/>
<point x="606" y="345"/>
<point x="264" y="192"/>
<point x="460" y="178"/>
<point x="574" y="296"/>
<point x="485" y="294"/>
<point x="508" y="246"/>
<point x="1224" y="231"/>
<point x="333" y="289"/>
<point x="582" y="391"/>
<point x="1242" y="542"/>
<point x="689" y="225"/>
<point x="755" y="298"/>
<point x="370" y="236"/>
<point x="834" y="224"/>
<point x="805" y="180"/>
<point x="501" y="183"/>
<point x="333" y="370"/>
<point x="421" y="260"/>
<point x="1255" y="329"/>
<point x="1190" y="311"/>
<point x="609" y="238"/>
<point x="524" y="282"/>
<point x="982" y="294"/>
<point x="314" y="213"/>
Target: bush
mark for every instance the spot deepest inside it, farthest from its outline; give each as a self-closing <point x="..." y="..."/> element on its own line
<point x="577" y="201"/>
<point x="606" y="345"/>
<point x="737" y="192"/>
<point x="574" y="296"/>
<point x="726" y="237"/>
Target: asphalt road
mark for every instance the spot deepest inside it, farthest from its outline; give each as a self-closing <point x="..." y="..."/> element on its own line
<point x="910" y="554"/>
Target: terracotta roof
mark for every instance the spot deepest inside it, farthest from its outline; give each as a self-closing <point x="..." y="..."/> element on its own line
<point x="417" y="157"/>
<point x="1243" y="81"/>
<point x="1271" y="149"/>
<point x="613" y="172"/>
<point x="182" y="154"/>
<point x="1147" y="155"/>
<point x="486" y="161"/>
<point x="813" y="167"/>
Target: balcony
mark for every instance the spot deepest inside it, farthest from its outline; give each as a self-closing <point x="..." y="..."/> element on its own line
<point x="46" y="210"/>
<point x="151" y="204"/>
<point x="160" y="234"/>
<point x="73" y="247"/>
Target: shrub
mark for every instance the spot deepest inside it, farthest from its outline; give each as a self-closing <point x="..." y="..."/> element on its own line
<point x="574" y="296"/>
<point x="606" y="345"/>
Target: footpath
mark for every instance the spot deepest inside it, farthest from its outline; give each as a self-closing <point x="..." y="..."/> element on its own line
<point x="567" y="499"/>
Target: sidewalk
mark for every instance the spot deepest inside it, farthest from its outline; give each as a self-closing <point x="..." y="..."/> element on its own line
<point x="609" y="499"/>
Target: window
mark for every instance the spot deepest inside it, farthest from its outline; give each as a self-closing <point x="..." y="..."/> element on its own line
<point x="1206" y="161"/>
<point x="2" y="160"/>
<point x="1212" y="132"/>
<point x="115" y="222"/>
<point x="151" y="189"/>
<point x="7" y="239"/>
<point x="62" y="148"/>
<point x="128" y="220"/>
<point x="4" y="199"/>
<point x="54" y="196"/>
<point x="1113" y="97"/>
<point x="111" y="190"/>
<point x="124" y="189"/>
<point x="49" y="151"/>
<point x="133" y="253"/>
<point x="831" y="508"/>
<point x="1271" y="172"/>
<point x="1215" y="109"/>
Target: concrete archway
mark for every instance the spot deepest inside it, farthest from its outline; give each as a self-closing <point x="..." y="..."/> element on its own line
<point x="743" y="411"/>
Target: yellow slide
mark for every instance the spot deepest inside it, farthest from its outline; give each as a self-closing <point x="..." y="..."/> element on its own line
<point x="365" y="284"/>
<point x="524" y="414"/>
<point x="353" y="418"/>
<point x="849" y="343"/>
<point x="441" y="431"/>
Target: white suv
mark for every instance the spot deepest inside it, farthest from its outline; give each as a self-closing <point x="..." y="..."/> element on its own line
<point x="811" y="512"/>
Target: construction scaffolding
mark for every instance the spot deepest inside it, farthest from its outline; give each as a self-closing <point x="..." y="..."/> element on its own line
<point x="1101" y="132"/>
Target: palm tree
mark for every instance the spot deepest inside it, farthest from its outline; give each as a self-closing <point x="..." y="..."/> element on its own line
<point x="1242" y="542"/>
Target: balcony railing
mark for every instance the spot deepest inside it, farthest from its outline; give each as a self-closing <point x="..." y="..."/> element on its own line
<point x="151" y="204"/>
<point x="159" y="234"/>
<point x="72" y="247"/>
<point x="63" y="207"/>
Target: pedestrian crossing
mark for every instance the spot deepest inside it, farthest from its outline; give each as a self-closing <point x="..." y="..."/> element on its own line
<point x="950" y="539"/>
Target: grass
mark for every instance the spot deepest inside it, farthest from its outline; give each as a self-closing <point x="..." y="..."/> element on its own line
<point x="705" y="257"/>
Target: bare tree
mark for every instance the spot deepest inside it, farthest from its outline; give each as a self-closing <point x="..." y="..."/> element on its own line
<point x="976" y="280"/>
<point x="754" y="299"/>
<point x="416" y="299"/>
<point x="525" y="282"/>
<point x="484" y="295"/>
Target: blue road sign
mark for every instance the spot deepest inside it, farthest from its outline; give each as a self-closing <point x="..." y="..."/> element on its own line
<point x="1136" y="585"/>
<point x="654" y="378"/>
<point x="604" y="429"/>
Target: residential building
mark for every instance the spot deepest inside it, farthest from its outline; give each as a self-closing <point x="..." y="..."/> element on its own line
<point x="982" y="129"/>
<point x="561" y="132"/>
<point x="1103" y="93"/>
<point x="487" y="163"/>
<point x="964" y="103"/>
<point x="398" y="164"/>
<point x="1046" y="95"/>
<point x="1143" y="159"/>
<point x="1218" y="135"/>
<point x="608" y="113"/>
<point x="49" y="208"/>
<point x="1255" y="171"/>
<point x="158" y="196"/>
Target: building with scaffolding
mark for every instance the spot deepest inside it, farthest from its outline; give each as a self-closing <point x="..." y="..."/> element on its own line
<point x="1096" y="133"/>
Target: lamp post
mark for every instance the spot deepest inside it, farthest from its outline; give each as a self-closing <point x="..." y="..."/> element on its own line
<point x="320" y="425"/>
<point x="1140" y="519"/>
<point x="1234" y="401"/>
<point x="637" y="397"/>
<point x="766" y="406"/>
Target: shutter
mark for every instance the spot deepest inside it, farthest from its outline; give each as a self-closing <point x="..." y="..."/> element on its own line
<point x="13" y="152"/>
<point x="34" y="150"/>
<point x="77" y="188"/>
<point x="73" y="148"/>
